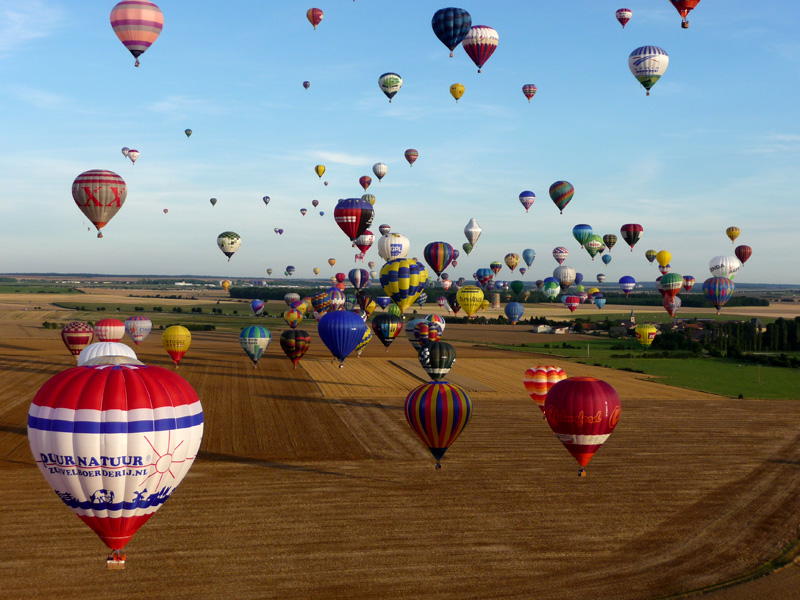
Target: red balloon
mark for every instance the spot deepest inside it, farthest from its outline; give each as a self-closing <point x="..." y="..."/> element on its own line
<point x="76" y="336"/>
<point x="365" y="181"/>
<point x="743" y="253"/>
<point x="353" y="216"/>
<point x="582" y="412"/>
<point x="572" y="302"/>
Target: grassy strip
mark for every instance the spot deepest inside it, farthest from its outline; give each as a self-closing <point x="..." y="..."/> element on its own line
<point x="785" y="557"/>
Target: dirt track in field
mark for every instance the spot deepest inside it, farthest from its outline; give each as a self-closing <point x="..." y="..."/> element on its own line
<point x="311" y="484"/>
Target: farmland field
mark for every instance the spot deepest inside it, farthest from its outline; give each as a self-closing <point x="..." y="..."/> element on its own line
<point x="310" y="483"/>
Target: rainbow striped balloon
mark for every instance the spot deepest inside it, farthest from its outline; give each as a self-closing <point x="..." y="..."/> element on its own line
<point x="137" y="23"/>
<point x="539" y="379"/>
<point x="438" y="412"/>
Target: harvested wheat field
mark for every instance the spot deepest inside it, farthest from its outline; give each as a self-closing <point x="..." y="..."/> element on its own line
<point x="310" y="484"/>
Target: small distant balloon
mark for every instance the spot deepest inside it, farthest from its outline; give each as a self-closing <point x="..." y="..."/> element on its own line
<point x="314" y="16"/>
<point x="529" y="90"/>
<point x="306" y="84"/>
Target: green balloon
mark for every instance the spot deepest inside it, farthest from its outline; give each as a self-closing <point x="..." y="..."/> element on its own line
<point x="516" y="286"/>
<point x="395" y="310"/>
<point x="467" y="247"/>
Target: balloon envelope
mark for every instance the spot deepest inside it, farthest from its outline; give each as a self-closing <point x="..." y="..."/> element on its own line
<point x="438" y="412"/>
<point x="341" y="331"/>
<point x="137" y="24"/>
<point x="539" y="379"/>
<point x="255" y="341"/>
<point x="451" y="26"/>
<point x="99" y="194"/>
<point x="114" y="441"/>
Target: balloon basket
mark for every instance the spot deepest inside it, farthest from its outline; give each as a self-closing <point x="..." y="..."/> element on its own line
<point x="438" y="466"/>
<point x="581" y="472"/>
<point x="115" y="560"/>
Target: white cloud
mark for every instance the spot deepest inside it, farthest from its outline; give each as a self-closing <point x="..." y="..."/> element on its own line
<point x="184" y="106"/>
<point x="28" y="21"/>
<point x="41" y="99"/>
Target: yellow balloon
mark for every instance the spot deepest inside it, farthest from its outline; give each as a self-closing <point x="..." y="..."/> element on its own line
<point x="593" y="290"/>
<point x="403" y="281"/>
<point x="176" y="341"/>
<point x="457" y="90"/>
<point x="663" y="258"/>
<point x="226" y="284"/>
<point x="370" y="308"/>
<point x="486" y="304"/>
<point x="470" y="298"/>
<point x="319" y="170"/>
<point x="331" y="261"/>
<point x="316" y="270"/>
<point x="646" y="333"/>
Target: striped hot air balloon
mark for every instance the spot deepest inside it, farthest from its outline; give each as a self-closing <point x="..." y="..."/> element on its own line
<point x="114" y="441"/>
<point x="438" y="412"/>
<point x="109" y="330"/>
<point x="295" y="343"/>
<point x="480" y="43"/>
<point x="99" y="194"/>
<point x="76" y="336"/>
<point x="255" y="341"/>
<point x="539" y="379"/>
<point x="561" y="192"/>
<point x="137" y="23"/>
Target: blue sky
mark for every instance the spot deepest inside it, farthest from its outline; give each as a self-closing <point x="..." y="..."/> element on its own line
<point x="716" y="144"/>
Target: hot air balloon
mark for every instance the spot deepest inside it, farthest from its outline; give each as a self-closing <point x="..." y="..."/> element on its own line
<point x="426" y="333"/>
<point x="137" y="24"/>
<point x="718" y="290"/>
<point x="495" y="266"/>
<point x="671" y="305"/>
<point x="379" y="169"/>
<point x="571" y="302"/>
<point x="226" y="283"/>
<point x="176" y="341"/>
<point x="539" y="379"/>
<point x="295" y="343"/>
<point x="671" y="284"/>
<point x="437" y="359"/>
<point x="353" y="216"/>
<point x="594" y="245"/>
<point x="561" y="192"/>
<point x="359" y="278"/>
<point x="331" y="261"/>
<point x="529" y="90"/>
<point x="466" y="247"/>
<point x="383" y="301"/>
<point x="599" y="301"/>
<point x="384" y="229"/>
<point x="390" y="84"/>
<point x="364" y="181"/>
<point x="606" y="259"/>
<point x="188" y="132"/>
<point x="451" y="25"/>
<point x="438" y="412"/>
<point x="645" y="334"/>
<point x="319" y="170"/>
<point x="314" y="16"/>
<point x="648" y="64"/>
<point x="403" y="280"/>
<point x="470" y="298"/>
<point x="303" y="211"/>
<point x="601" y="278"/>
<point x="560" y="254"/>
<point x="138" y="427"/>
<point x="684" y="7"/>
<point x="393" y="245"/>
<point x="76" y="336"/>
<point x="743" y="253"/>
<point x="229" y="243"/>
<point x="107" y="353"/>
<point x="630" y="232"/>
<point x="665" y="269"/>
<point x="627" y="283"/>
<point x="364" y="242"/>
<point x="610" y="240"/>
<point x="663" y="257"/>
<point x="257" y="306"/>
<point x="255" y="340"/>
<point x="99" y="194"/>
<point x="457" y="90"/>
<point x="293" y="317"/>
<point x="387" y="327"/>
<point x="213" y="201"/>
<point x="582" y="233"/>
<point x="133" y="155"/>
<point x="438" y="255"/>
<point x="514" y="312"/>
<point x="650" y="255"/>
<point x="138" y="328"/>
<point x="512" y="260"/>
<point x="565" y="276"/>
<point x="724" y="266"/>
<point x="582" y="412"/>
<point x="411" y="156"/>
<point x="688" y="282"/>
<point x="472" y="231"/>
<point x="306" y="84"/>
<point x="341" y="331"/>
<point x="528" y="255"/>
<point x="527" y="199"/>
<point x="109" y="330"/>
<point x="368" y="335"/>
<point x="480" y="43"/>
<point x="733" y="233"/>
<point x="410" y="328"/>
